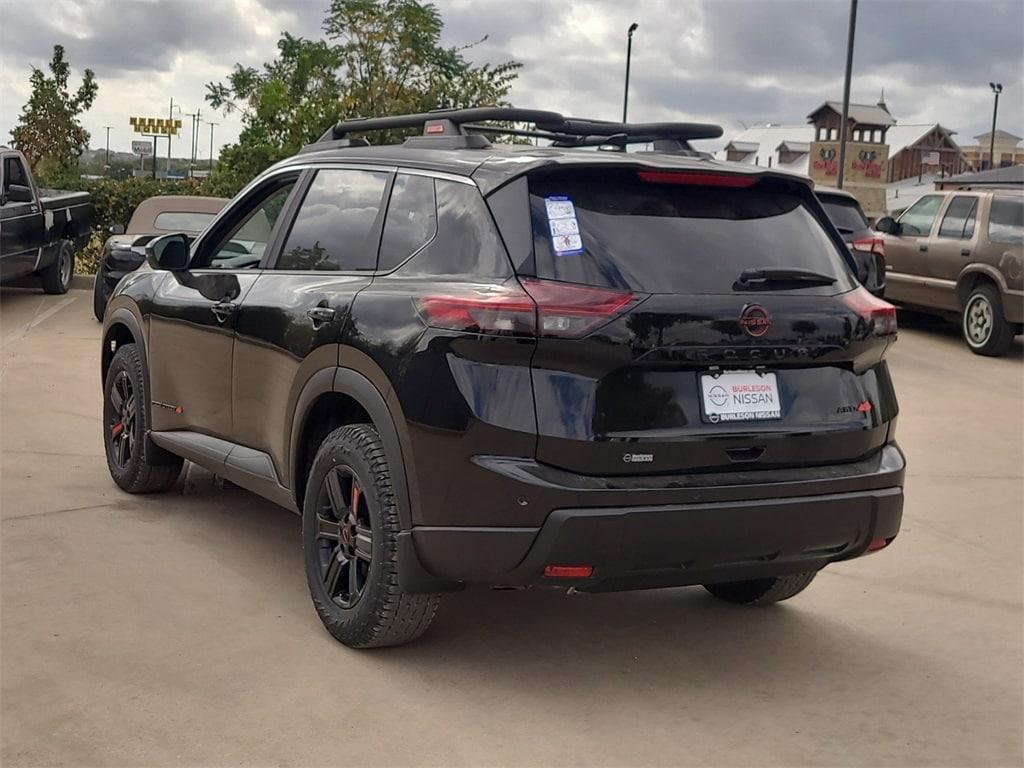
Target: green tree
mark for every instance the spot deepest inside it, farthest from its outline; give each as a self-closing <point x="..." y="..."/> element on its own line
<point x="48" y="131"/>
<point x="381" y="57"/>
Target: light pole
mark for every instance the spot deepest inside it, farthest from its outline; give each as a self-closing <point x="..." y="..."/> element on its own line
<point x="997" y="88"/>
<point x="211" y="145"/>
<point x="629" y="55"/>
<point x="846" y="92"/>
<point x="107" y="163"/>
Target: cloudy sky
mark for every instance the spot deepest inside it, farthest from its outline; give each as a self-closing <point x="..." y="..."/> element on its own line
<point x="726" y="61"/>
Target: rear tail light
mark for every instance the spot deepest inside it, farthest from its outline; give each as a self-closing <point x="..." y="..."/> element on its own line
<point x="537" y="308"/>
<point x="701" y="179"/>
<point x="870" y="245"/>
<point x="880" y="316"/>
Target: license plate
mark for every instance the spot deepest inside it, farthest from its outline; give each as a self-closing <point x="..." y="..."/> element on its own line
<point x="740" y="396"/>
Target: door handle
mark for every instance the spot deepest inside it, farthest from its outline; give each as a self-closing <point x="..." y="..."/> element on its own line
<point x="320" y="315"/>
<point x="223" y="310"/>
<point x="965" y="251"/>
<point x="922" y="247"/>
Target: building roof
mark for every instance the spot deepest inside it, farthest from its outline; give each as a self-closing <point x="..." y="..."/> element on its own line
<point x="866" y="114"/>
<point x="1001" y="135"/>
<point x="903" y="135"/>
<point x="794" y="146"/>
<point x="905" y="192"/>
<point x="766" y="139"/>
<point x="1013" y="174"/>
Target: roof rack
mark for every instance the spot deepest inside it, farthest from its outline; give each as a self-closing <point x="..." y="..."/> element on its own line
<point x="454" y="126"/>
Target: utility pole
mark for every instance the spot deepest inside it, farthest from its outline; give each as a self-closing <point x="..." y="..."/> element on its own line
<point x="997" y="88"/>
<point x="211" y="145"/>
<point x="629" y="55"/>
<point x="170" y="116"/>
<point x="107" y="163"/>
<point x="846" y="92"/>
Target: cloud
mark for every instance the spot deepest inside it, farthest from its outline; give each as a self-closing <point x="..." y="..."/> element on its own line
<point x="727" y="61"/>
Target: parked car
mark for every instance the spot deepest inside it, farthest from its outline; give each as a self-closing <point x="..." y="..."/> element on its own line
<point x="866" y="246"/>
<point x="40" y="229"/>
<point x="516" y="365"/>
<point x="961" y="253"/>
<point x="124" y="250"/>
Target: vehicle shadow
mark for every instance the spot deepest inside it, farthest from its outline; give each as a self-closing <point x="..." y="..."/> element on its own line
<point x="940" y="328"/>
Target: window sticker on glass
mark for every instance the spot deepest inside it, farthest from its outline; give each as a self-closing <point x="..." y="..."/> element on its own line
<point x="565" y="229"/>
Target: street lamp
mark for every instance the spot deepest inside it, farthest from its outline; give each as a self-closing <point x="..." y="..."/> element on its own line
<point x="629" y="54"/>
<point x="211" y="145"/>
<point x="997" y="88"/>
<point x="850" y="32"/>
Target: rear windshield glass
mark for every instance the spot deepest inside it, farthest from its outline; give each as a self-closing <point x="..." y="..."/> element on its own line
<point x="611" y="229"/>
<point x="182" y="221"/>
<point x="846" y="217"/>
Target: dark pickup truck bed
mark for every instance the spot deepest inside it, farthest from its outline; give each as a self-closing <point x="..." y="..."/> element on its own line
<point x="40" y="229"/>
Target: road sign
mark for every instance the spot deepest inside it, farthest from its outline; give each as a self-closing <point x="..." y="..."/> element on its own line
<point x="143" y="148"/>
<point x="163" y="126"/>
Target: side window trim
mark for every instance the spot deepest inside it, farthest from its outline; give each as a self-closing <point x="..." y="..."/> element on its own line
<point x="234" y="212"/>
<point x="299" y="195"/>
<point x="284" y="222"/>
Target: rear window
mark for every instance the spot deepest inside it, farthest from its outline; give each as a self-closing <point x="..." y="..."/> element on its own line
<point x="182" y="221"/>
<point x="613" y="230"/>
<point x="1006" y="220"/>
<point x="846" y="216"/>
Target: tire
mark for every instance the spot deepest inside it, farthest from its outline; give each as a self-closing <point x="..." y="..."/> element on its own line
<point x="762" y="591"/>
<point x="135" y="463"/>
<point x="99" y="295"/>
<point x="983" y="324"/>
<point x="56" y="278"/>
<point x="352" y="559"/>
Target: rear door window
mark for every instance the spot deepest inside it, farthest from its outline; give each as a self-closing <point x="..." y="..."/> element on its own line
<point x="1006" y="220"/>
<point x="337" y="227"/>
<point x="917" y="220"/>
<point x="958" y="222"/>
<point x="614" y="229"/>
<point x="411" y="221"/>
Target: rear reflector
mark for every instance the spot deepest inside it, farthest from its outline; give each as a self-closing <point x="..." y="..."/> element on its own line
<point x="568" y="571"/>
<point x="877" y="544"/>
<point x="870" y="245"/>
<point x="880" y="316"/>
<point x="701" y="179"/>
<point x="537" y="307"/>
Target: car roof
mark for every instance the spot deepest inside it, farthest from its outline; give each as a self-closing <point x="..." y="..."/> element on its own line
<point x="143" y="220"/>
<point x="493" y="166"/>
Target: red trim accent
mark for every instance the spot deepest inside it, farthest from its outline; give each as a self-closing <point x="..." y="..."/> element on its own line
<point x="568" y="571"/>
<point x="435" y="128"/>
<point x="877" y="544"/>
<point x="117" y="429"/>
<point x="701" y="179"/>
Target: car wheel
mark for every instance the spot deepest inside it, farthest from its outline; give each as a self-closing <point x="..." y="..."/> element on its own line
<point x="135" y="463"/>
<point x="99" y="295"/>
<point x="56" y="278"/>
<point x="350" y="542"/>
<point x="762" y="591"/>
<point x="984" y="327"/>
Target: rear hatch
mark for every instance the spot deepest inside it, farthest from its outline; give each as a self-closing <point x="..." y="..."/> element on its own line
<point x="712" y="321"/>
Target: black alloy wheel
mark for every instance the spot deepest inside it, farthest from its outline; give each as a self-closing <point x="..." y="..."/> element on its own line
<point x="344" y="537"/>
<point x="123" y="427"/>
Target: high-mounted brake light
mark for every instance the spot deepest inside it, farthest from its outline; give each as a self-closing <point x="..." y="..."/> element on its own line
<point x="870" y="245"/>
<point x="539" y="307"/>
<point x="698" y="179"/>
<point x="880" y="316"/>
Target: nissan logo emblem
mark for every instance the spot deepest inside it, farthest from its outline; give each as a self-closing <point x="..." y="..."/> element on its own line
<point x="755" y="320"/>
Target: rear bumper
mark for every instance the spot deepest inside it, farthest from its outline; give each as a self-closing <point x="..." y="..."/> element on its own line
<point x="714" y="533"/>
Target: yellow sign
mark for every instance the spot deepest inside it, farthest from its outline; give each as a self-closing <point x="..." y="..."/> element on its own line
<point x="162" y="126"/>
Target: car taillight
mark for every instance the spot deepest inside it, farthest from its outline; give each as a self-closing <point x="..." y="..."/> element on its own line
<point x="507" y="309"/>
<point x="538" y="307"/>
<point x="570" y="311"/>
<point x="879" y="315"/>
<point x="870" y="245"/>
<point x="701" y="179"/>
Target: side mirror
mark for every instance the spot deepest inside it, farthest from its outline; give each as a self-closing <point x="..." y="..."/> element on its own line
<point x="168" y="252"/>
<point x="117" y="229"/>
<point x="19" y="193"/>
<point x="889" y="225"/>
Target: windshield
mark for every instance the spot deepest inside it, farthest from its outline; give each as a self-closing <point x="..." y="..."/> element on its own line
<point x="612" y="229"/>
<point x="182" y="221"/>
<point x="845" y="216"/>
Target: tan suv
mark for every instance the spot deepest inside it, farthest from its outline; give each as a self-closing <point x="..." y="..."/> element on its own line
<point x="961" y="252"/>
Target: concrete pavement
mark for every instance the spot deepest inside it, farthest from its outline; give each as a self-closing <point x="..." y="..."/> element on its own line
<point x="177" y="630"/>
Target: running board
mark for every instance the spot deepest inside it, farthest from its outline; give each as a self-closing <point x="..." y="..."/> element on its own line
<point x="251" y="469"/>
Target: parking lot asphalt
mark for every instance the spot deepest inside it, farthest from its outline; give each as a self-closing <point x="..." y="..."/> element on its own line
<point x="177" y="630"/>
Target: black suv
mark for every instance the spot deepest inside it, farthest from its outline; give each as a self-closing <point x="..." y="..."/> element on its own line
<point x="517" y="365"/>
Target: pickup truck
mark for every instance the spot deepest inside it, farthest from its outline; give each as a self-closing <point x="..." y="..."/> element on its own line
<point x="40" y="230"/>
